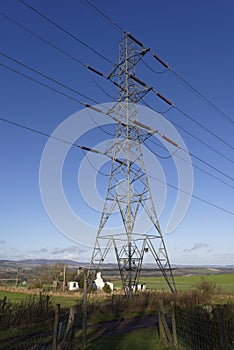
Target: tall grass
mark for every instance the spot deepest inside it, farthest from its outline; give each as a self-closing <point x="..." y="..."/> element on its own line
<point x="148" y="302"/>
<point x="32" y="310"/>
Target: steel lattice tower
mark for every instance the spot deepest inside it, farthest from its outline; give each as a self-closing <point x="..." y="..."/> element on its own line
<point x="128" y="187"/>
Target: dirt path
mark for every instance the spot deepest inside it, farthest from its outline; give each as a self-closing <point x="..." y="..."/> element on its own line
<point x="123" y="326"/>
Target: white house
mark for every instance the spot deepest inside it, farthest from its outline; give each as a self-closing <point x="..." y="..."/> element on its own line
<point x="73" y="285"/>
<point x="141" y="287"/>
<point x="100" y="283"/>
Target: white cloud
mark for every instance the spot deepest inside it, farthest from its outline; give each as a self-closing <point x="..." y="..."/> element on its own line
<point x="198" y="245"/>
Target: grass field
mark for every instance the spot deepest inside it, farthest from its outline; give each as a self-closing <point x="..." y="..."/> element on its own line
<point x="224" y="281"/>
<point x="15" y="297"/>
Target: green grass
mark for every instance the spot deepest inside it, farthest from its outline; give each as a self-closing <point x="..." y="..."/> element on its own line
<point x="223" y="281"/>
<point x="65" y="302"/>
<point x="138" y="339"/>
<point x="13" y="297"/>
<point x="16" y="297"/>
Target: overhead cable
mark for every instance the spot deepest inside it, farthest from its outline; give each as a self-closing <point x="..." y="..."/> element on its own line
<point x="35" y="131"/>
<point x="160" y="60"/>
<point x="95" y="108"/>
<point x="198" y="139"/>
<point x="42" y="39"/>
<point x="99" y="73"/>
<point x="65" y="31"/>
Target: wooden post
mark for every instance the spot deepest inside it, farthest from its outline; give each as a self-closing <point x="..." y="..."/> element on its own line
<point x="17" y="277"/>
<point x="73" y="319"/>
<point x="165" y="334"/>
<point x="222" y="331"/>
<point x="174" y="332"/>
<point x="84" y="309"/>
<point x="56" y="327"/>
<point x="4" y="303"/>
<point x="3" y="307"/>
<point x="162" y="334"/>
<point x="69" y="334"/>
<point x="64" y="277"/>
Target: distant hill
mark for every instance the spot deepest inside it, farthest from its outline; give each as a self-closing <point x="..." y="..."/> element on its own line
<point x="104" y="265"/>
<point x="50" y="262"/>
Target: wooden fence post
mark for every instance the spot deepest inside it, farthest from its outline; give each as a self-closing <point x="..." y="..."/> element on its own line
<point x="84" y="310"/>
<point x="56" y="327"/>
<point x="222" y="330"/>
<point x="69" y="334"/>
<point x="165" y="334"/>
<point x="175" y="340"/>
<point x="162" y="334"/>
<point x="4" y="301"/>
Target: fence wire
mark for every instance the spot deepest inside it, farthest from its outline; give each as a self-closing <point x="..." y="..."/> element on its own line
<point x="40" y="337"/>
<point x="205" y="328"/>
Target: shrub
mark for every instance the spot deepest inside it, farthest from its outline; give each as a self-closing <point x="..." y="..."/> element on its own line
<point x="107" y="288"/>
<point x="31" y="310"/>
<point x="207" y="289"/>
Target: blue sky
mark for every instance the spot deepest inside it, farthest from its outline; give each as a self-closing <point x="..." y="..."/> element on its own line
<point x="194" y="38"/>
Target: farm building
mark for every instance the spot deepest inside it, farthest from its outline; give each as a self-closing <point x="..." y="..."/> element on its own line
<point x="73" y="285"/>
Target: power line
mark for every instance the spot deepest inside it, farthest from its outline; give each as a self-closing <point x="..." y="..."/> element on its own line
<point x="203" y="127"/>
<point x="107" y="18"/>
<point x="63" y="94"/>
<point x="151" y="130"/>
<point x="207" y="172"/>
<point x="76" y="100"/>
<point x="103" y="90"/>
<point x="64" y="30"/>
<point x="42" y="133"/>
<point x="226" y="116"/>
<point x="194" y="165"/>
<point x="91" y="164"/>
<point x="40" y="83"/>
<point x="156" y="154"/>
<point x="57" y="91"/>
<point x="79" y="61"/>
<point x="192" y="135"/>
<point x="154" y="70"/>
<point x="170" y="104"/>
<point x="166" y="100"/>
<point x="47" y="77"/>
<point x="162" y="62"/>
<point x="35" y="131"/>
<point x="67" y="54"/>
<point x="160" y="112"/>
<point x="193" y="196"/>
<point x="42" y="39"/>
<point x="98" y="126"/>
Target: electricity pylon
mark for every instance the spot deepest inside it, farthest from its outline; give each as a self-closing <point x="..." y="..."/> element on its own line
<point x="128" y="187"/>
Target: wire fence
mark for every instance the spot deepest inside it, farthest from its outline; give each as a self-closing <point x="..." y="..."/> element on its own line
<point x="206" y="327"/>
<point x="39" y="336"/>
<point x="203" y="327"/>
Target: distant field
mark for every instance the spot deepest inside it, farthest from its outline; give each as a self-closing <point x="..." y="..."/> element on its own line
<point x="15" y="297"/>
<point x="224" y="281"/>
